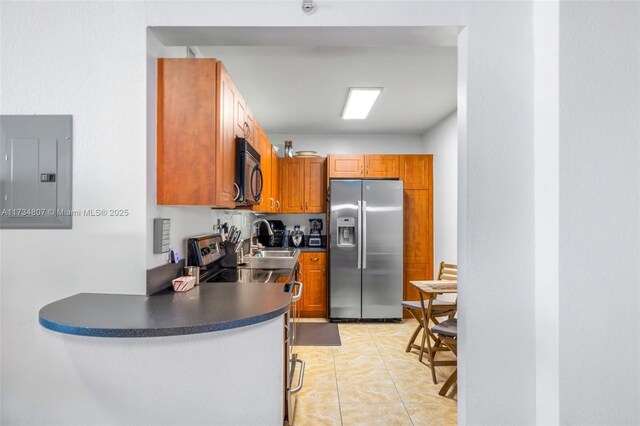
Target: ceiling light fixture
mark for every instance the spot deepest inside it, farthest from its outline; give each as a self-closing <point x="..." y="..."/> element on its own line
<point x="359" y="102"/>
<point x="308" y="7"/>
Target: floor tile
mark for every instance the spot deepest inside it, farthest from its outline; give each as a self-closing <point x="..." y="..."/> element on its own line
<point x="355" y="414"/>
<point x="370" y="379"/>
<point x="318" y="391"/>
<point x="367" y="389"/>
<point x="309" y="413"/>
<point x="438" y="411"/>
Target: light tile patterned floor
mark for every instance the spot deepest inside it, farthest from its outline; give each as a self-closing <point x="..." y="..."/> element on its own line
<point x="371" y="380"/>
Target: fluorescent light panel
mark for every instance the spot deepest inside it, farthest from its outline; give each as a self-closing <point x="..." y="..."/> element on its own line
<point x="359" y="102"/>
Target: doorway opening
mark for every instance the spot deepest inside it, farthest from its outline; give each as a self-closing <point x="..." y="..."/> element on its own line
<point x="294" y="82"/>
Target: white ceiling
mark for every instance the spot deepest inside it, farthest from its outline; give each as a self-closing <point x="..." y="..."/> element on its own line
<point x="296" y="80"/>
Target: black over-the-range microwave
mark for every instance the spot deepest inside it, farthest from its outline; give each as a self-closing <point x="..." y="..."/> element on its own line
<point x="249" y="180"/>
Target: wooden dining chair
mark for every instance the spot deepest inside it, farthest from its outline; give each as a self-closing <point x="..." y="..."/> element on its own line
<point x="439" y="309"/>
<point x="447" y="331"/>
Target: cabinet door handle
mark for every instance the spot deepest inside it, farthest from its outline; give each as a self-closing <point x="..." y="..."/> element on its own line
<point x="278" y="205"/>
<point x="315" y="259"/>
<point x="307" y="205"/>
<point x="272" y="203"/>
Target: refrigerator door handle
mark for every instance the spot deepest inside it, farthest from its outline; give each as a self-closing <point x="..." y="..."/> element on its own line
<point x="359" y="236"/>
<point x="364" y="235"/>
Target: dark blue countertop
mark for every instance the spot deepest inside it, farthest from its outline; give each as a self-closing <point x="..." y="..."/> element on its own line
<point x="204" y="309"/>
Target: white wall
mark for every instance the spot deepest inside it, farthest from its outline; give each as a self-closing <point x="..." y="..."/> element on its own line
<point x="441" y="140"/>
<point x="546" y="208"/>
<point x="599" y="128"/>
<point x="50" y="64"/>
<point x="350" y="143"/>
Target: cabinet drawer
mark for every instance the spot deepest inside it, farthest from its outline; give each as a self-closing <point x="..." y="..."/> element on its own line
<point x="314" y="258"/>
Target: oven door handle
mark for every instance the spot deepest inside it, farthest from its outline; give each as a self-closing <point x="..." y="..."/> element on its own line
<point x="300" y="377"/>
<point x="297" y="295"/>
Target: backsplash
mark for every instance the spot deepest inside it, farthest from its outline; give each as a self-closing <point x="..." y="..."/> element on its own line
<point x="192" y="221"/>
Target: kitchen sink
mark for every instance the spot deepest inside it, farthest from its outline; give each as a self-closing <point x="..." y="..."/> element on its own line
<point x="280" y="254"/>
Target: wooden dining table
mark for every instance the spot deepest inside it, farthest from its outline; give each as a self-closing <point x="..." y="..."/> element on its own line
<point x="428" y="291"/>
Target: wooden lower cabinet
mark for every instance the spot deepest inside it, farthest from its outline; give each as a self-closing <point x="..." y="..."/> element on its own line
<point x="314" y="293"/>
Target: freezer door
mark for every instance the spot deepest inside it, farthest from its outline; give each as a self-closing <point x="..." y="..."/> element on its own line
<point x="344" y="277"/>
<point x="382" y="231"/>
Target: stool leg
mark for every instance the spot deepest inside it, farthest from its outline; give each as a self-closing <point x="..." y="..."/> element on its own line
<point x="416" y="331"/>
<point x="413" y="337"/>
<point x="450" y="381"/>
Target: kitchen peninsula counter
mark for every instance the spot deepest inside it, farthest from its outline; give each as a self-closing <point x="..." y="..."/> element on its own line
<point x="208" y="307"/>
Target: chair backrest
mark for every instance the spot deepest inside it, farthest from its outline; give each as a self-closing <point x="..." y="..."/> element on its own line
<point x="448" y="271"/>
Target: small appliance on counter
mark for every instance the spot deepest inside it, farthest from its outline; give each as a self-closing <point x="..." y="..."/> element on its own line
<point x="315" y="226"/>
<point x="275" y="240"/>
<point x="297" y="237"/>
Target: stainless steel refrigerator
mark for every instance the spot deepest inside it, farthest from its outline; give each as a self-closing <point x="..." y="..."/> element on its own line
<point x="366" y="240"/>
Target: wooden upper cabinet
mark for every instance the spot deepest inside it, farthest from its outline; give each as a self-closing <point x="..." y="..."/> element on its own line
<point x="315" y="185"/>
<point x="416" y="171"/>
<point x="275" y="180"/>
<point x="418" y="226"/>
<point x="364" y="166"/>
<point x="241" y="116"/>
<point x="381" y="166"/>
<point x="303" y="185"/>
<point x="195" y="147"/>
<point x="226" y="147"/>
<point x="346" y="166"/>
<point x="292" y="184"/>
<point x="265" y="158"/>
<point x="254" y="131"/>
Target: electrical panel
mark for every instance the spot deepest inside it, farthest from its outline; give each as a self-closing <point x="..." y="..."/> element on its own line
<point x="35" y="171"/>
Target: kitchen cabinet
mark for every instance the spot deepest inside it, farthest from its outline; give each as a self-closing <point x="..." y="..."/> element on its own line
<point x="292" y="184"/>
<point x="303" y="185"/>
<point x="364" y="166"/>
<point x="275" y="181"/>
<point x="416" y="171"/>
<point x="381" y="167"/>
<point x="196" y="133"/>
<point x="314" y="294"/>
<point x="314" y="185"/>
<point x="346" y="166"/>
<point x="418" y="226"/>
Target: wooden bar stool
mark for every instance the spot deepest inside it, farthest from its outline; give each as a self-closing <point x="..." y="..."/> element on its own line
<point x="448" y="332"/>
<point x="439" y="309"/>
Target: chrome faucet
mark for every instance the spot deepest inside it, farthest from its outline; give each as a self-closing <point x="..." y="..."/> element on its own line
<point x="253" y="227"/>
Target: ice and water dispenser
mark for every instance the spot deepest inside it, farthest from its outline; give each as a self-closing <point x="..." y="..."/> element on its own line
<point x="346" y="231"/>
